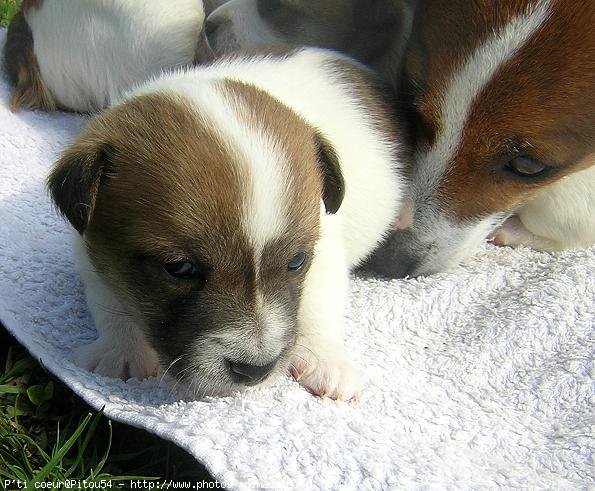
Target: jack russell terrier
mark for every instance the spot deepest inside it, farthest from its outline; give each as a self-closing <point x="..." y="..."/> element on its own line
<point x="220" y="210"/>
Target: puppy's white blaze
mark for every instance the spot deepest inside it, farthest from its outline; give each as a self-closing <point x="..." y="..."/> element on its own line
<point x="273" y="328"/>
<point x="468" y="82"/>
<point x="264" y="213"/>
<point x="265" y="208"/>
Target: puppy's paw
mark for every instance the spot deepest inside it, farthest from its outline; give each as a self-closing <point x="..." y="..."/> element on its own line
<point x="512" y="233"/>
<point x="124" y="361"/>
<point x="328" y="374"/>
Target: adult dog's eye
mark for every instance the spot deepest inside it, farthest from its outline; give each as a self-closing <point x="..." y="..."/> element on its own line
<point x="269" y="6"/>
<point x="297" y="262"/>
<point x="182" y="270"/>
<point x="525" y="166"/>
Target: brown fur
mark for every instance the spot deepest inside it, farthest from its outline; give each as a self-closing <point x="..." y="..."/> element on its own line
<point x="541" y="102"/>
<point x="21" y="65"/>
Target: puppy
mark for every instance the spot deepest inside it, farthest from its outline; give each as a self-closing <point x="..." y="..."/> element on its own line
<point x="373" y="31"/>
<point x="220" y="211"/>
<point x="502" y="96"/>
<point x="81" y="54"/>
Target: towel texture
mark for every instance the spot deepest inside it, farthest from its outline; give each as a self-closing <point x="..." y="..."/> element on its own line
<point x="476" y="378"/>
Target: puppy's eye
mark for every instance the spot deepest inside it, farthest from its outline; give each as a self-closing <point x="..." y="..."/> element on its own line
<point x="269" y="6"/>
<point x="182" y="270"/>
<point x="525" y="166"/>
<point x="297" y="262"/>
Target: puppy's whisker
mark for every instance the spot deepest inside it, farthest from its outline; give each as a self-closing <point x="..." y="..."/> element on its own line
<point x="169" y="367"/>
<point x="180" y="378"/>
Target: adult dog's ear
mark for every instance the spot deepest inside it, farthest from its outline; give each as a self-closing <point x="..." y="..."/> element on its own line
<point x="75" y="180"/>
<point x="333" y="184"/>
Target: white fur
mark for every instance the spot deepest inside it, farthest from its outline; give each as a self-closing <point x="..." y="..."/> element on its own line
<point x="320" y="361"/>
<point x="90" y="51"/>
<point x="561" y="217"/>
<point x="303" y="82"/>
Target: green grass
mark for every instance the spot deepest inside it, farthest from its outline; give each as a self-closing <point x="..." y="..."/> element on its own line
<point x="49" y="434"/>
<point x="7" y="9"/>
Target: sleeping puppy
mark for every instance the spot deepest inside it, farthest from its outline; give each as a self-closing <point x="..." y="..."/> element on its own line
<point x="373" y="31"/>
<point x="503" y="101"/>
<point x="220" y="210"/>
<point x="81" y="54"/>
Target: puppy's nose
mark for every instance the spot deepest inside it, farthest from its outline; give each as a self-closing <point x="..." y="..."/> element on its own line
<point x="244" y="373"/>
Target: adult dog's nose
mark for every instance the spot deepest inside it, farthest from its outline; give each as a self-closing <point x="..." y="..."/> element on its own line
<point x="244" y="373"/>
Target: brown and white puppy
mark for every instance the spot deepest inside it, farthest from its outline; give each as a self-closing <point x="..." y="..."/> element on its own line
<point x="220" y="211"/>
<point x="81" y="54"/>
<point x="503" y="101"/>
<point x="373" y="31"/>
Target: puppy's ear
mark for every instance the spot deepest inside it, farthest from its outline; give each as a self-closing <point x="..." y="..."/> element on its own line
<point x="75" y="180"/>
<point x="333" y="184"/>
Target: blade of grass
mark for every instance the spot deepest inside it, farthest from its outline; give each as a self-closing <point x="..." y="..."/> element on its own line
<point x="59" y="454"/>
<point x="85" y="443"/>
<point x="11" y="389"/>
<point x="21" y="367"/>
<point x="103" y="460"/>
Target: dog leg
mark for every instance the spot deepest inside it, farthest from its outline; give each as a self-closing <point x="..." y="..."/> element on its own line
<point x="512" y="233"/>
<point x="121" y="350"/>
<point x="320" y="362"/>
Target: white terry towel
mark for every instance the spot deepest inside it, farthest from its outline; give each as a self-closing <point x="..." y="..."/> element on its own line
<point x="481" y="377"/>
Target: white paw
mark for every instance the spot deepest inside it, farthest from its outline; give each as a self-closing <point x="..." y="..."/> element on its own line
<point x="326" y="374"/>
<point x="512" y="233"/>
<point x="123" y="361"/>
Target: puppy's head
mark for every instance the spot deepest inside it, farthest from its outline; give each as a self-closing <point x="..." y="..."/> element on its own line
<point x="201" y="212"/>
<point x="362" y="28"/>
<point x="503" y="102"/>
